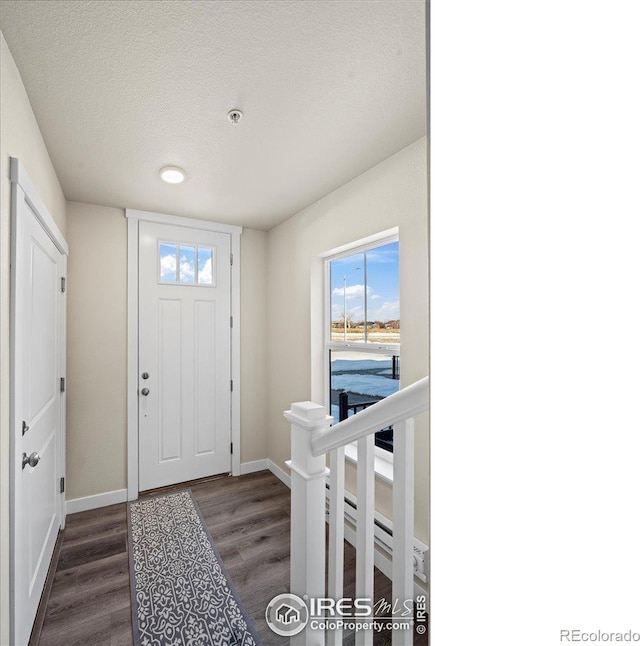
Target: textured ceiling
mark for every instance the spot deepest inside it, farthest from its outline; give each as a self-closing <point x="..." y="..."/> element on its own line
<point x="328" y="90"/>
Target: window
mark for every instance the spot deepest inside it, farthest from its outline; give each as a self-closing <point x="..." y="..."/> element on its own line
<point x="363" y="341"/>
<point x="194" y="268"/>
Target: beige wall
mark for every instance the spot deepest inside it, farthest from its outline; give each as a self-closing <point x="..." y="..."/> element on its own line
<point x="392" y="194"/>
<point x="97" y="349"/>
<point x="19" y="137"/>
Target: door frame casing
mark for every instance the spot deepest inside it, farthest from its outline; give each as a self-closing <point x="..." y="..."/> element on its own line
<point x="134" y="217"/>
<point x="22" y="188"/>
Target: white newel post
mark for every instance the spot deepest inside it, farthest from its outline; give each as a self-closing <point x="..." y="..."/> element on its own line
<point x="308" y="495"/>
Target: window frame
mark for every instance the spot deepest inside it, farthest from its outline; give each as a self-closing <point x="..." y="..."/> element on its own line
<point x="385" y="469"/>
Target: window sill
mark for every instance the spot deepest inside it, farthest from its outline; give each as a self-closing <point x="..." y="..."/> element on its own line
<point x="383" y="466"/>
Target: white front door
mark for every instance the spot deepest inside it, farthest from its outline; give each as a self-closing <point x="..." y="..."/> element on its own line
<point x="184" y="381"/>
<point x="37" y="421"/>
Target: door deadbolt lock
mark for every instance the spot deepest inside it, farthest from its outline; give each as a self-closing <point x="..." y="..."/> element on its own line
<point x="145" y="375"/>
<point x="144" y="391"/>
<point x="32" y="460"/>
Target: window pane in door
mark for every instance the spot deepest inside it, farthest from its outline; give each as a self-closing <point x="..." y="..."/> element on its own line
<point x="205" y="266"/>
<point x="168" y="262"/>
<point x="187" y="264"/>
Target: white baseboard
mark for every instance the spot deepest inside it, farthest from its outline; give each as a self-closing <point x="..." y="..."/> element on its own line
<point x="279" y="473"/>
<point x="94" y="502"/>
<point x="252" y="467"/>
<point x="120" y="495"/>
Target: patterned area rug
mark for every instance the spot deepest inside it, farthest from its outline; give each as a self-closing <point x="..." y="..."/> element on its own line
<point x="180" y="591"/>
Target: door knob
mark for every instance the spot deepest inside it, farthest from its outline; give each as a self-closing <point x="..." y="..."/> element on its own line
<point x="32" y="460"/>
<point x="145" y="375"/>
<point x="144" y="391"/>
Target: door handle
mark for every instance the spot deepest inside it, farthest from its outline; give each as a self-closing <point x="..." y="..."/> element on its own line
<point x="32" y="460"/>
<point x="144" y="391"/>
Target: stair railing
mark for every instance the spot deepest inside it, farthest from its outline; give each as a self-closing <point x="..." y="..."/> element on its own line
<point x="312" y="437"/>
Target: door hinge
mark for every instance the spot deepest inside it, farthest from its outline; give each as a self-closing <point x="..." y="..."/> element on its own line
<point x="231" y="448"/>
<point x="231" y="321"/>
<point x="232" y="385"/>
<point x="61" y="485"/>
<point x="63" y="284"/>
<point x="25" y="428"/>
<point x="62" y="384"/>
<point x="231" y="258"/>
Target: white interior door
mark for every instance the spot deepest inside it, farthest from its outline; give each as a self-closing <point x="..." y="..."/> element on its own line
<point x="37" y="411"/>
<point x="184" y="381"/>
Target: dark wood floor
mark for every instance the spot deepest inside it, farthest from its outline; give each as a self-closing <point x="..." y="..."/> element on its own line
<point x="248" y="517"/>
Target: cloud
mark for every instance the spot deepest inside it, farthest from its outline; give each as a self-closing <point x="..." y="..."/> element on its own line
<point x="187" y="271"/>
<point x="353" y="291"/>
<point x="384" y="256"/>
<point x="388" y="311"/>
<point x="167" y="267"/>
<point x="356" y="313"/>
<point x="204" y="274"/>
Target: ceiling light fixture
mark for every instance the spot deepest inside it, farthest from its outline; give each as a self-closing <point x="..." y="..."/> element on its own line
<point x="234" y="115"/>
<point x="172" y="174"/>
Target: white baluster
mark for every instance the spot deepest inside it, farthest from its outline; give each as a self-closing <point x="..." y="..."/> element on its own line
<point x="403" y="501"/>
<point x="336" y="535"/>
<point x="364" y="535"/>
<point x="308" y="503"/>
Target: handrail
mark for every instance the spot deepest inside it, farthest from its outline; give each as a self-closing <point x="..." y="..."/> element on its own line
<point x="406" y="403"/>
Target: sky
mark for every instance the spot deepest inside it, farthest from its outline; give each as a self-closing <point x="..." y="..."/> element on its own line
<point x="382" y="285"/>
<point x="168" y="263"/>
